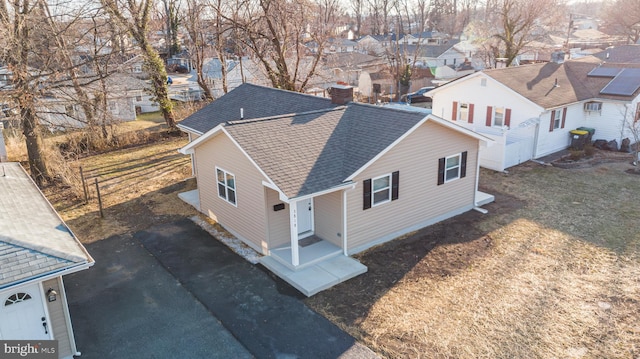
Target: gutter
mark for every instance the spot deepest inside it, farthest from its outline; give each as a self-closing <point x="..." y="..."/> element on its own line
<point x="50" y="275"/>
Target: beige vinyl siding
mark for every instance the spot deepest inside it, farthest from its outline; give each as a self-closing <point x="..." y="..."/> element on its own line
<point x="247" y="220"/>
<point x="57" y="314"/>
<point x="278" y="222"/>
<point x="328" y="217"/>
<point x="420" y="200"/>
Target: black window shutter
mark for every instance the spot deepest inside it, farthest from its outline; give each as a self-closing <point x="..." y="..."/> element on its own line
<point x="366" y="195"/>
<point x="463" y="165"/>
<point x="441" y="170"/>
<point x="395" y="185"/>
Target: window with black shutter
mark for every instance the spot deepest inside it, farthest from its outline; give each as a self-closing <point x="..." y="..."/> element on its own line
<point x="380" y="190"/>
<point x="452" y="167"/>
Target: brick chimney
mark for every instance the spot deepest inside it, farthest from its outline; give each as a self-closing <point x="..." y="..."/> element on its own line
<point x="341" y="94"/>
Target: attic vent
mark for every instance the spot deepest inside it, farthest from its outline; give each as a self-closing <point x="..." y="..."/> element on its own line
<point x="593" y="106"/>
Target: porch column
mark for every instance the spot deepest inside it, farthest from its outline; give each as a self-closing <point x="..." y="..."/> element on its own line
<point x="293" y="227"/>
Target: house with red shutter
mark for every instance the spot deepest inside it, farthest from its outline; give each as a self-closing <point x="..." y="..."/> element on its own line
<point x="530" y="110"/>
<point x="308" y="181"/>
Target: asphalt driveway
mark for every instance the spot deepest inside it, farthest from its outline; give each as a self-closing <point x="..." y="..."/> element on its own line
<point x="174" y="291"/>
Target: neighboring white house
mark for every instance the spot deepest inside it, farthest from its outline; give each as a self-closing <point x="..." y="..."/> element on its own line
<point x="529" y="110"/>
<point x="36" y="250"/>
<point x="240" y="71"/>
<point x="126" y="97"/>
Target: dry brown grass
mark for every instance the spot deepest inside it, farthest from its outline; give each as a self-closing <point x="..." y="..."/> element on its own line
<point x="138" y="186"/>
<point x="553" y="271"/>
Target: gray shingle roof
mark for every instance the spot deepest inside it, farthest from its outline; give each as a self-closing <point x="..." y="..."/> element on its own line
<point x="537" y="82"/>
<point x="256" y="102"/>
<point x="309" y="152"/>
<point x="33" y="239"/>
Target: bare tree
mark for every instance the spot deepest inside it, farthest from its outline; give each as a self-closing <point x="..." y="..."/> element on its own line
<point x="134" y="16"/>
<point x="20" y="38"/>
<point x="521" y="21"/>
<point x="275" y="32"/>
<point x="357" y="7"/>
<point x="198" y="31"/>
<point x="623" y="16"/>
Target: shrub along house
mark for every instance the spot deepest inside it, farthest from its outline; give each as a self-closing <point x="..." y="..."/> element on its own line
<point x="36" y="250"/>
<point x="308" y="181"/>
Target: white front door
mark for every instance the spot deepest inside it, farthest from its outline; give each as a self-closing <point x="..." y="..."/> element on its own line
<point x="22" y="315"/>
<point x="305" y="218"/>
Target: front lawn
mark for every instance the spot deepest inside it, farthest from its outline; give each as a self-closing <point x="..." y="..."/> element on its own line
<point x="552" y="271"/>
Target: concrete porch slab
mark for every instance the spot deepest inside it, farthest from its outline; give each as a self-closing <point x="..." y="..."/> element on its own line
<point x="317" y="277"/>
<point x="484" y="198"/>
<point x="191" y="197"/>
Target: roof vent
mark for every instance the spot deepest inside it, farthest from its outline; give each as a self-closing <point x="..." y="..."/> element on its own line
<point x="242" y="113"/>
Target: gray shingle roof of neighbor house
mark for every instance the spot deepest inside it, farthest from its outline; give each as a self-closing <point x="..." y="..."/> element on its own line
<point x="552" y="85"/>
<point x="255" y="102"/>
<point x="620" y="54"/>
<point x="309" y="152"/>
<point x="34" y="241"/>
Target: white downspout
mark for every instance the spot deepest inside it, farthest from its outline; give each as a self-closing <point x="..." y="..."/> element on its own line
<point x="475" y="191"/>
<point x="293" y="227"/>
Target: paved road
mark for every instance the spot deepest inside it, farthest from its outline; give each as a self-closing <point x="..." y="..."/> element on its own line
<point x="174" y="291"/>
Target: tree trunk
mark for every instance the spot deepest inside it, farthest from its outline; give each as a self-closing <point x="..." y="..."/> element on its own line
<point x="159" y="81"/>
<point x="37" y="164"/>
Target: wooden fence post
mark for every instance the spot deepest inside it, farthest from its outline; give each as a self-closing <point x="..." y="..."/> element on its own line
<point x="99" y="199"/>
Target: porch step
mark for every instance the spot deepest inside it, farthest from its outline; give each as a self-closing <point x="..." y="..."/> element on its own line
<point x="317" y="277"/>
<point x="484" y="198"/>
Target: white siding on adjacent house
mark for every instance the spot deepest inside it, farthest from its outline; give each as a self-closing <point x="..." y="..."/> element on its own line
<point x="278" y="221"/>
<point x="58" y="312"/>
<point x="247" y="220"/>
<point x="421" y="201"/>
<point x="328" y="217"/>
<point x="609" y="122"/>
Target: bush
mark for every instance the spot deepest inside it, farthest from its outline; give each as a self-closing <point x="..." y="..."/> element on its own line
<point x="575" y="155"/>
<point x="589" y="150"/>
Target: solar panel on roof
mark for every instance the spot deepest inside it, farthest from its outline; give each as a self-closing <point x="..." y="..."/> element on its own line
<point x="604" y="72"/>
<point x="626" y="83"/>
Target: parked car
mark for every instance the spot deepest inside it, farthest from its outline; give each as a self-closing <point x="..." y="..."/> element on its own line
<point x="418" y="96"/>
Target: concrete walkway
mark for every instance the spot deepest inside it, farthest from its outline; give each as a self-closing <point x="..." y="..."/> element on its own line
<point x="261" y="311"/>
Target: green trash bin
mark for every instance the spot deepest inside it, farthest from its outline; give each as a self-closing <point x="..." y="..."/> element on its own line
<point x="578" y="139"/>
<point x="591" y="132"/>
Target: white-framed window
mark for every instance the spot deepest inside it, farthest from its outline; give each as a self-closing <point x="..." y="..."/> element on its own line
<point x="452" y="168"/>
<point x="637" y="116"/>
<point x="593" y="106"/>
<point x="381" y="189"/>
<point x="70" y="110"/>
<point x="463" y="112"/>
<point x="113" y="107"/>
<point x="498" y="116"/>
<point x="557" y="119"/>
<point x="226" y="186"/>
<point x="139" y="98"/>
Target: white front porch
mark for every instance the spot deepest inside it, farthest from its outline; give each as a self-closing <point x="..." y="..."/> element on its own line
<point x="322" y="265"/>
<point x="320" y="275"/>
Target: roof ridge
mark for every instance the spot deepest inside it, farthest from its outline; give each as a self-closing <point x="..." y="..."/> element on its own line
<point x="269" y="118"/>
